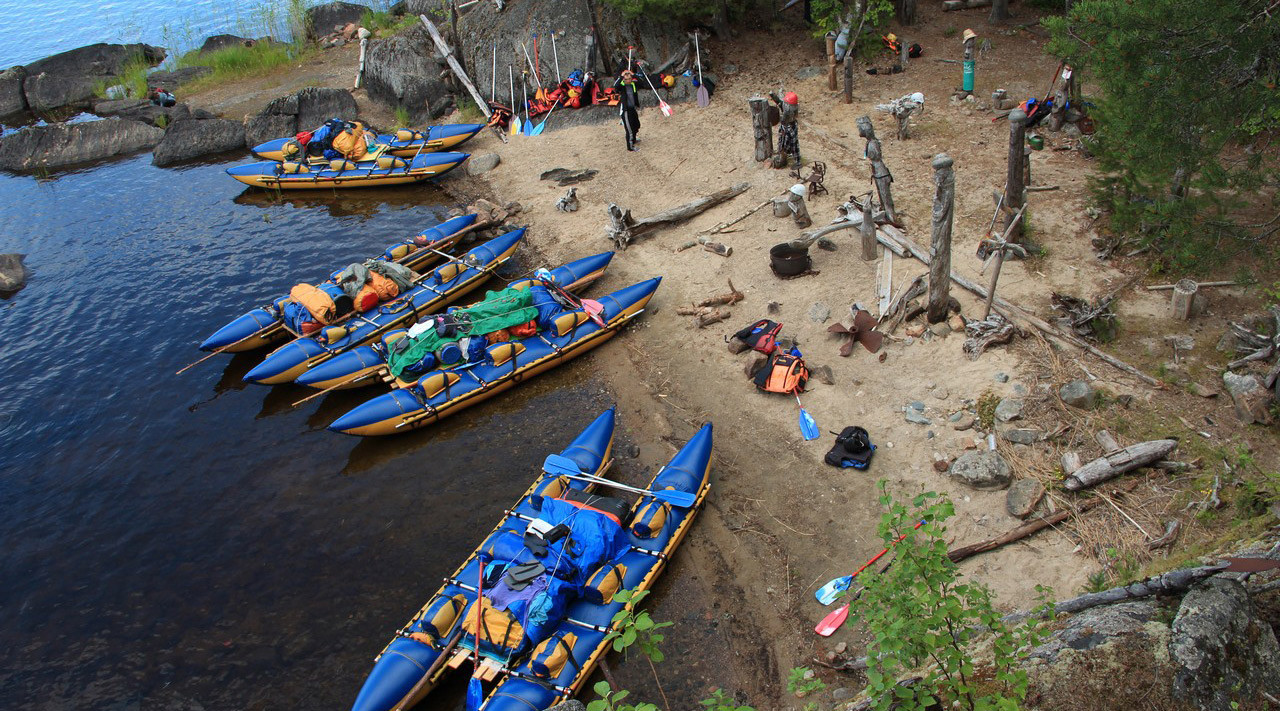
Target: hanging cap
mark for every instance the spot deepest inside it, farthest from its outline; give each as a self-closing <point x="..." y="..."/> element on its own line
<point x="791" y="98"/>
<point x="798" y="189"/>
<point x="969" y="34"/>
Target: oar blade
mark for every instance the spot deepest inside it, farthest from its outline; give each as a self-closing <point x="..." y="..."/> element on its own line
<point x="808" y="428"/>
<point x="528" y="127"/>
<point x="666" y="108"/>
<point x="704" y="99"/>
<point x="683" y="499"/>
<point x="832" y="621"/>
<point x="830" y="592"/>
<point x="561" y="466"/>
<point x="537" y="130"/>
<point x="475" y="694"/>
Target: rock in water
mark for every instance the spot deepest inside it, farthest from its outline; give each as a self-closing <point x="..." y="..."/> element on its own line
<point x="216" y="42"/>
<point x="483" y="163"/>
<point x="321" y="19"/>
<point x="62" y="144"/>
<point x="1252" y="401"/>
<point x="1023" y="496"/>
<point x="13" y="274"/>
<point x="1078" y="393"/>
<point x="982" y="470"/>
<point x="45" y="92"/>
<point x="1223" y="652"/>
<point x="303" y="111"/>
<point x="72" y="77"/>
<point x="12" y="100"/>
<point x="403" y="71"/>
<point x="193" y="138"/>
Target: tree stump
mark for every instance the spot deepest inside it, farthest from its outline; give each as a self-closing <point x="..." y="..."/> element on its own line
<point x="762" y="128"/>
<point x="944" y="198"/>
<point x="1015" y="185"/>
<point x="999" y="12"/>
<point x="906" y="11"/>
<point x="1183" y="299"/>
<point x="798" y="210"/>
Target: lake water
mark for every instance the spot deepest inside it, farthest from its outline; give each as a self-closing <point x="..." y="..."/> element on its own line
<point x="191" y="541"/>
<point x="34" y="29"/>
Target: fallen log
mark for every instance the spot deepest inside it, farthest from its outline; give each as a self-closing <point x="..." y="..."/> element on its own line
<point x="457" y="68"/>
<point x="1118" y="462"/>
<point x="728" y="299"/>
<point x="623" y="228"/>
<point x="887" y="234"/>
<point x="1019" y="533"/>
<point x="949" y="5"/>
<point x="706" y="319"/>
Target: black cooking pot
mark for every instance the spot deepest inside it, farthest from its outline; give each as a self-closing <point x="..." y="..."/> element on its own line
<point x="789" y="261"/>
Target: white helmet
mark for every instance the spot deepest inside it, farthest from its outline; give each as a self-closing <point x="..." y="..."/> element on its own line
<point x="798" y="189"/>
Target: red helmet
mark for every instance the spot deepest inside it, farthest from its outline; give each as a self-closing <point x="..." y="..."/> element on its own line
<point x="791" y="98"/>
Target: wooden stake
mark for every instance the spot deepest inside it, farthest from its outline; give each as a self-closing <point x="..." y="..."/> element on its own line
<point x="457" y="68"/>
<point x="944" y="198"/>
<point x="1015" y="182"/>
<point x="831" y="61"/>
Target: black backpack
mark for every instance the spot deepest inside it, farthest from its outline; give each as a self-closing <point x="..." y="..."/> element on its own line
<point x="853" y="448"/>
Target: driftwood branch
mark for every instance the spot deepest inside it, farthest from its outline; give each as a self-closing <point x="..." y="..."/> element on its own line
<point x="1014" y="312"/>
<point x="623" y="228"/>
<point x="730" y="298"/>
<point x="457" y="68"/>
<point x="726" y="225"/>
<point x="1118" y="462"/>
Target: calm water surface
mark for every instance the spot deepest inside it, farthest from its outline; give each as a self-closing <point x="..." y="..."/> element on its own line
<point x="191" y="541"/>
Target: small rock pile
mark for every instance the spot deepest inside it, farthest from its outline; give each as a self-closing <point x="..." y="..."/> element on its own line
<point x="340" y="35"/>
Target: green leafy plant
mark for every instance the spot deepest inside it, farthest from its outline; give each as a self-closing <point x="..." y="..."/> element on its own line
<point x="987" y="403"/>
<point x="611" y="700"/>
<point x="834" y="15"/>
<point x="402" y="116"/>
<point x="922" y="618"/>
<point x="802" y="682"/>
<point x="630" y="628"/>
<point x="720" y="701"/>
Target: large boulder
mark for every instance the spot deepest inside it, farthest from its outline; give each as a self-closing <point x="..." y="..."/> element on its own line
<point x="143" y="110"/>
<point x="12" y="99"/>
<point x="45" y="92"/>
<point x="13" y="275"/>
<point x="982" y="470"/>
<point x="1224" y="653"/>
<point x="403" y="71"/>
<point x="170" y="81"/>
<point x="322" y="19"/>
<point x="62" y="144"/>
<point x="192" y="138"/>
<point x="98" y="60"/>
<point x="302" y="111"/>
<point x="217" y="42"/>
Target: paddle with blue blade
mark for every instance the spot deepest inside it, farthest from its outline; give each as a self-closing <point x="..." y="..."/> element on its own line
<point x="475" y="687"/>
<point x="527" y="129"/>
<point x="563" y="466"/>
<point x="808" y="428"/>
<point x="833" y="621"/>
<point x="537" y="130"/>
<point x="830" y="592"/>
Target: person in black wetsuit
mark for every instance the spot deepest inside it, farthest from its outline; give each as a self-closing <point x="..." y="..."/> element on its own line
<point x="628" y="106"/>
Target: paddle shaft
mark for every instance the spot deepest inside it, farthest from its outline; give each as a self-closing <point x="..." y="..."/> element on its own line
<point x="493" y="76"/>
<point x="555" y="55"/>
<point x="331" y="388"/>
<point x="676" y="498"/>
<point x="223" y="349"/>
<point x="877" y="556"/>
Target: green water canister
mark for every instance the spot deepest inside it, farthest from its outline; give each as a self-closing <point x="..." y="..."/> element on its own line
<point x="968" y="75"/>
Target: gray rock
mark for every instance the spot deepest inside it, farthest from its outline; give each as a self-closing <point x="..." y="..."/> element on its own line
<point x="810" y="72"/>
<point x="917" y="405"/>
<point x="827" y="244"/>
<point x="1097" y="626"/>
<point x="482" y="163"/>
<point x="114" y="107"/>
<point x="1222" y="650"/>
<point x="1019" y="389"/>
<point x="62" y="144"/>
<point x="914" y="416"/>
<point x="1021" y="435"/>
<point x="217" y="42"/>
<point x="570" y="705"/>
<point x="403" y="71"/>
<point x="823" y="374"/>
<point x="321" y="19"/>
<point x="1078" y="393"/>
<point x="965" y="422"/>
<point x="819" y="312"/>
<point x="985" y="470"/>
<point x="13" y="274"/>
<point x="1023" y="497"/>
<point x="12" y="99"/>
<point x="45" y="92"/>
<point x="941" y="393"/>
<point x="941" y="330"/>
<point x="1002" y="377"/>
<point x="98" y="60"/>
<point x="1252" y="401"/>
<point x="840" y="694"/>
<point x="143" y="110"/>
<point x="1009" y="409"/>
<point x="303" y="111"/>
<point x="170" y="81"/>
<point x="192" y="138"/>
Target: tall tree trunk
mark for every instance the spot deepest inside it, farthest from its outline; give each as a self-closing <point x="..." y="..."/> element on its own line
<point x="906" y="11"/>
<point x="999" y="12"/>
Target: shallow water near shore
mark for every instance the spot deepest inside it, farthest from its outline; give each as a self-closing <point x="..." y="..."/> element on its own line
<point x="192" y="541"/>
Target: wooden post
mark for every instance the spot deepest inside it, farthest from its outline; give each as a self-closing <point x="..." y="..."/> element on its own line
<point x="457" y="68"/>
<point x="1015" y="185"/>
<point x="880" y="174"/>
<point x="848" y="75"/>
<point x="968" y="66"/>
<point x="761" y="127"/>
<point x="831" y="61"/>
<point x="944" y="198"/>
<point x="364" y="47"/>
<point x="902" y="53"/>
<point x="870" y="244"/>
<point x="1183" y="299"/>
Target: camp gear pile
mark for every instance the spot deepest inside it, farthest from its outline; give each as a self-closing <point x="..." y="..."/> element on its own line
<point x="463" y="329"/>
